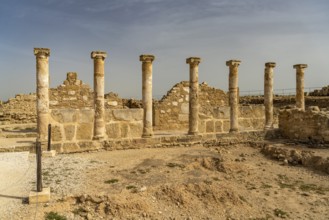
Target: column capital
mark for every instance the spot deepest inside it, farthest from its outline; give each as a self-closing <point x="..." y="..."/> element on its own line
<point x="270" y="64"/>
<point x="98" y="55"/>
<point x="146" y="58"/>
<point x="300" y="66"/>
<point x="38" y="52"/>
<point x="193" y="60"/>
<point x="233" y="63"/>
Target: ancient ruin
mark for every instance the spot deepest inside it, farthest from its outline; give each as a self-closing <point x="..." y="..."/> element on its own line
<point x="197" y="147"/>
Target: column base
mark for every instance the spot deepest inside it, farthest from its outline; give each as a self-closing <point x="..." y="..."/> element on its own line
<point x="234" y="130"/>
<point x="268" y="127"/>
<point x="147" y="135"/>
<point x="193" y="133"/>
<point x="98" y="138"/>
<point x="40" y="197"/>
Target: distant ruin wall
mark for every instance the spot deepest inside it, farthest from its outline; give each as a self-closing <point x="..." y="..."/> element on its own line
<point x="282" y="101"/>
<point x="172" y="111"/>
<point x="72" y="129"/>
<point x="309" y="125"/>
<point x="324" y="91"/>
<point x="19" y="110"/>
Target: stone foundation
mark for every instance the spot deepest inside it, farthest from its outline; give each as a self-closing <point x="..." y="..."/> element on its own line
<point x="311" y="125"/>
<point x="251" y="118"/>
<point x="72" y="129"/>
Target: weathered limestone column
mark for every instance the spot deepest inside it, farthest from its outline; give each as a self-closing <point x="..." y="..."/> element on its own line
<point x="99" y="124"/>
<point x="300" y="101"/>
<point x="194" y="96"/>
<point x="233" y="94"/>
<point x="268" y="94"/>
<point x="147" y="94"/>
<point x="42" y="66"/>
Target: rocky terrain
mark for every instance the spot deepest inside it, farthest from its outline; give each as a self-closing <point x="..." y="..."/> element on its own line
<point x="257" y="181"/>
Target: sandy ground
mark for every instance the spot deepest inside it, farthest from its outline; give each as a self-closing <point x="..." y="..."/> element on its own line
<point x="234" y="182"/>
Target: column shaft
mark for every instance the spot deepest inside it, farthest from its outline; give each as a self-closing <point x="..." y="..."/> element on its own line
<point x="147" y="94"/>
<point x="233" y="94"/>
<point x="300" y="101"/>
<point x="42" y="76"/>
<point x="194" y="95"/>
<point x="99" y="123"/>
<point x="268" y="94"/>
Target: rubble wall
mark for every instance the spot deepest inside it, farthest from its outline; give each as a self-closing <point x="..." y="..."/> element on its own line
<point x="171" y="112"/>
<point x="310" y="125"/>
<point x="19" y="110"/>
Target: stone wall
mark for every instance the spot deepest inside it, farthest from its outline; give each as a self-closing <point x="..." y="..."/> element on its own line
<point x="310" y="125"/>
<point x="171" y="112"/>
<point x="19" y="110"/>
<point x="251" y="118"/>
<point x="72" y="129"/>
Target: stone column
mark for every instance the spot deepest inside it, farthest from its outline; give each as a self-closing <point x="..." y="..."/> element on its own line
<point x="42" y="66"/>
<point x="233" y="94"/>
<point x="268" y="94"/>
<point x="300" y="101"/>
<point x="194" y="96"/>
<point x="99" y="123"/>
<point x="147" y="94"/>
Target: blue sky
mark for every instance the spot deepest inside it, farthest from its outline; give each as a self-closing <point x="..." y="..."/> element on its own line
<point x="255" y="31"/>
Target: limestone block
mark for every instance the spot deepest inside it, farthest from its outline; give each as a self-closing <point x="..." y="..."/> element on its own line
<point x="245" y="124"/>
<point x="125" y="130"/>
<point x="39" y="197"/>
<point x="136" y="129"/>
<point x="218" y="126"/>
<point x="183" y="117"/>
<point x="184" y="108"/>
<point x="252" y="111"/>
<point x="57" y="147"/>
<point x="88" y="145"/>
<point x="51" y="153"/>
<point x="222" y="112"/>
<point x="202" y="126"/>
<point x="84" y="131"/>
<point x="53" y="102"/>
<point x="210" y="126"/>
<point x="64" y="115"/>
<point x="86" y="116"/>
<point x="112" y="103"/>
<point x="121" y="115"/>
<point x="69" y="132"/>
<point x="226" y="125"/>
<point x="70" y="147"/>
<point x="71" y="92"/>
<point x="113" y="130"/>
<point x="108" y="115"/>
<point x="186" y="89"/>
<point x="56" y="133"/>
<point x="137" y="114"/>
<point x="128" y="114"/>
<point x="175" y="103"/>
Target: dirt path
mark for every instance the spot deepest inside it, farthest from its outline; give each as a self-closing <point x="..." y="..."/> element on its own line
<point x="15" y="182"/>
<point x="235" y="182"/>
